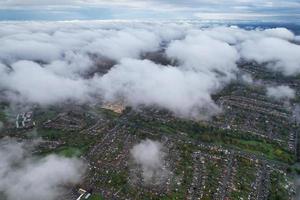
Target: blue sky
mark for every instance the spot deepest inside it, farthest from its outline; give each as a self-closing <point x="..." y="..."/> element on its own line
<point x="259" y="10"/>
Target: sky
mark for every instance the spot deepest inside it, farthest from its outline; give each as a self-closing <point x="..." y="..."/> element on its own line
<point x="52" y="10"/>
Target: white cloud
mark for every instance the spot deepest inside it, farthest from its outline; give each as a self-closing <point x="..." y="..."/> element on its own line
<point x="192" y="5"/>
<point x="150" y="157"/>
<point x="231" y="16"/>
<point x="280" y="55"/>
<point x="281" y="92"/>
<point x="186" y="93"/>
<point x="126" y="43"/>
<point x="24" y="177"/>
<point x="271" y="10"/>
<point x="282" y="33"/>
<point x="202" y="53"/>
<point x="247" y="78"/>
<point x="73" y="65"/>
<point x="32" y="83"/>
<point x="48" y="63"/>
<point x="28" y="50"/>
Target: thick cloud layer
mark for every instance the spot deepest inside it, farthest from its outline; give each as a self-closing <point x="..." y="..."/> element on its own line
<point x="48" y="63"/>
<point x="24" y="177"/>
<point x="145" y="83"/>
<point x="278" y="54"/>
<point x="200" y="52"/>
<point x="34" y="83"/>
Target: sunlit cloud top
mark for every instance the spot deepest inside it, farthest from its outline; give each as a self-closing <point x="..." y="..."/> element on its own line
<point x="267" y="10"/>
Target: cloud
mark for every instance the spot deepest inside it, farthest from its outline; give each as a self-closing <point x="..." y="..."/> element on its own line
<point x="47" y="63"/>
<point x="200" y="53"/>
<point x="127" y="43"/>
<point x="73" y="65"/>
<point x="255" y="10"/>
<point x="257" y="7"/>
<point x="29" y="82"/>
<point x="149" y="156"/>
<point x="282" y="33"/>
<point x="281" y="92"/>
<point x="163" y="3"/>
<point x="247" y="78"/>
<point x="26" y="177"/>
<point x="280" y="55"/>
<point x="231" y="16"/>
<point x="13" y="50"/>
<point x="141" y="82"/>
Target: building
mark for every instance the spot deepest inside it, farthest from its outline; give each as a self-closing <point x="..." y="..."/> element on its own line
<point x="25" y="120"/>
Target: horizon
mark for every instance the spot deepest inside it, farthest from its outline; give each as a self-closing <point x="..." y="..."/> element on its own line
<point x="277" y="11"/>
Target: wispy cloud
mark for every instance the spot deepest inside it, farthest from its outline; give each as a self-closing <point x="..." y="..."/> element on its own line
<point x="209" y="9"/>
